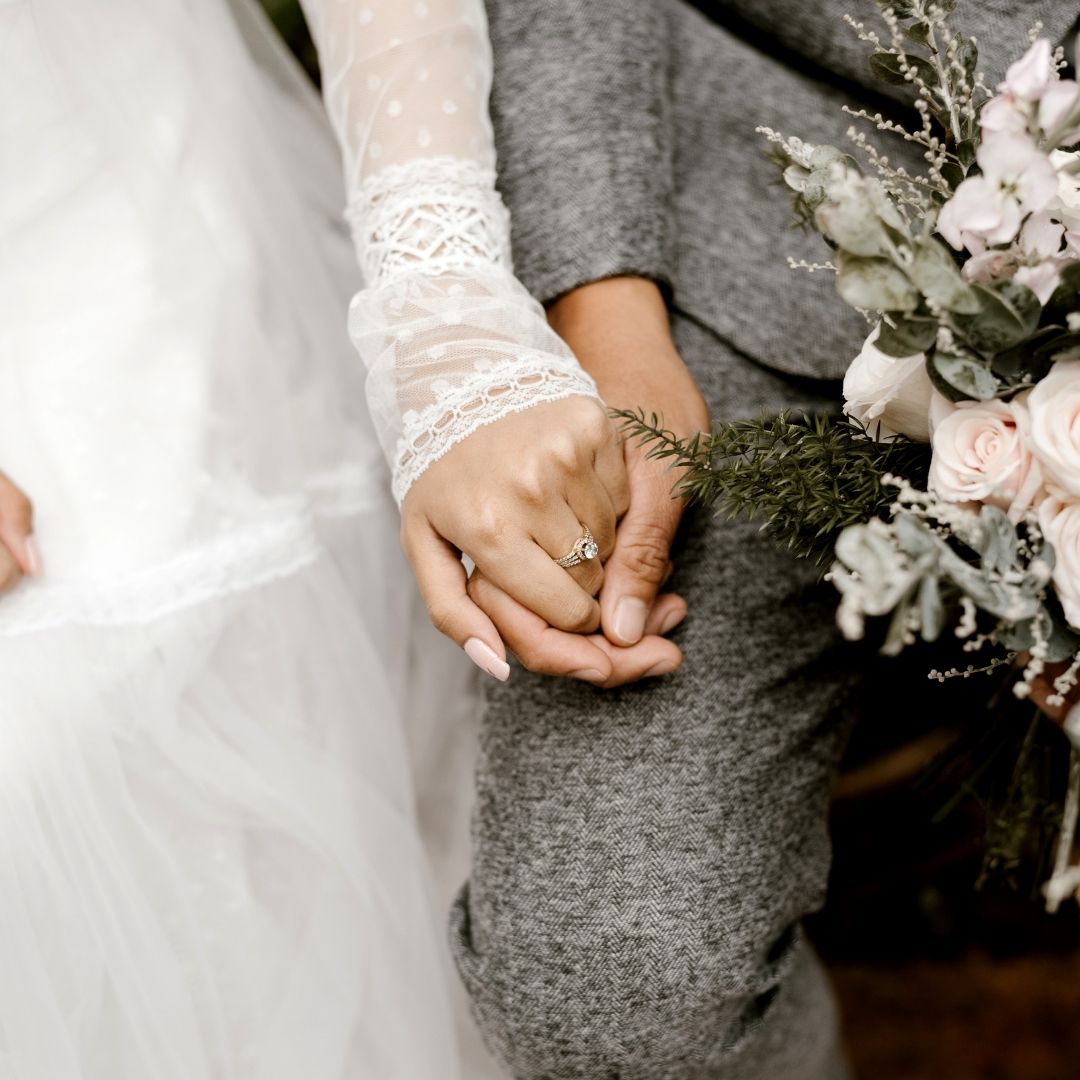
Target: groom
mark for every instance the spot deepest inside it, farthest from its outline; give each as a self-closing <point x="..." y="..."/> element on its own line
<point x="644" y="856"/>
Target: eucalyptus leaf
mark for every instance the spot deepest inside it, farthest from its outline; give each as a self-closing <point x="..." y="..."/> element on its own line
<point x="1000" y="543"/>
<point x="935" y="273"/>
<point x="918" y="32"/>
<point x="967" y="53"/>
<point x="900" y="336"/>
<point x="966" y="153"/>
<point x="1008" y="314"/>
<point x="887" y="68"/>
<point x="875" y="284"/>
<point x="931" y="609"/>
<point x="961" y="378"/>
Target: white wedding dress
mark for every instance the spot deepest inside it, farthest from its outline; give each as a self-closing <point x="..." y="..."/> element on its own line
<point x="210" y="866"/>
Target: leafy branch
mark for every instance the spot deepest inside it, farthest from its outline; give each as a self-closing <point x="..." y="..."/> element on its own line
<point x="805" y="477"/>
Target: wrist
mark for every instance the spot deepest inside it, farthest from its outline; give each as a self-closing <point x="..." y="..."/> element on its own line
<point x="620" y="330"/>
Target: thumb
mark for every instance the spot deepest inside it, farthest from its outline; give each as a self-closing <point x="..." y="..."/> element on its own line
<point x="443" y="584"/>
<point x="637" y="569"/>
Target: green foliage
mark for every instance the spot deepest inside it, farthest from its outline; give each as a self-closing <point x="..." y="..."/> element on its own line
<point x="805" y="477"/>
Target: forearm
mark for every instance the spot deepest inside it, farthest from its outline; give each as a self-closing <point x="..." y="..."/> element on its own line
<point x="621" y="332"/>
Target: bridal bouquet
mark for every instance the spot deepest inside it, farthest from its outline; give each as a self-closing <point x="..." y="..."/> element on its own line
<point x="948" y="494"/>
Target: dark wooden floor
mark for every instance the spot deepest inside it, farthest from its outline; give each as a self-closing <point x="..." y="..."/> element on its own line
<point x="935" y="978"/>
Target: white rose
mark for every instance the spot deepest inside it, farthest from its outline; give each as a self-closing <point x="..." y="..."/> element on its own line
<point x="890" y="395"/>
<point x="1060" y="522"/>
<point x="1066" y="207"/>
<point x="1054" y="406"/>
<point x="981" y="455"/>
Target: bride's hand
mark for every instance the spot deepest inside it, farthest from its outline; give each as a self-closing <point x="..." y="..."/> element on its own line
<point x="18" y="551"/>
<point x="513" y="497"/>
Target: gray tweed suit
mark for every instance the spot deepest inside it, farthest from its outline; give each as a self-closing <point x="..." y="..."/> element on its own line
<point x="644" y="857"/>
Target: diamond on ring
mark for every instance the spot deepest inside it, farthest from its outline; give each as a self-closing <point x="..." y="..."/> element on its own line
<point x="584" y="549"/>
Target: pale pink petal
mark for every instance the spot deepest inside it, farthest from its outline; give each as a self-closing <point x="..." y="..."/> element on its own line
<point x="987" y="265"/>
<point x="1031" y="74"/>
<point x="1008" y="224"/>
<point x="1042" y="280"/>
<point x="976" y="206"/>
<point x="1003" y="114"/>
<point x="1057" y="103"/>
<point x="1041" y="236"/>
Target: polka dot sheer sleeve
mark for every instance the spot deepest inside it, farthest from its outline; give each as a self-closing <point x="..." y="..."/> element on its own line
<point x="450" y="338"/>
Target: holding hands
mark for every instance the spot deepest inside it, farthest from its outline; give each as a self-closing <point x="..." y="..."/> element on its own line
<point x="515" y="496"/>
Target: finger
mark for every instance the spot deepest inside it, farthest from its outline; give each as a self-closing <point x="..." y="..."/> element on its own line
<point x="638" y="566"/>
<point x="10" y="571"/>
<point x="525" y="571"/>
<point x="558" y="531"/>
<point x="651" y="657"/>
<point x="610" y="467"/>
<point x="547" y="651"/>
<point x="442" y="580"/>
<point x="539" y="646"/>
<point x="668" y="611"/>
<point x="17" y="527"/>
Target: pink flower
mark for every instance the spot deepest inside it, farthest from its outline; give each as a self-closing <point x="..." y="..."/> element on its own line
<point x="1060" y="523"/>
<point x="1040" y="241"/>
<point x="1031" y="74"/>
<point x="1017" y="179"/>
<point x="1004" y="114"/>
<point x="981" y="455"/>
<point x="1054" y="406"/>
<point x="1060" y="105"/>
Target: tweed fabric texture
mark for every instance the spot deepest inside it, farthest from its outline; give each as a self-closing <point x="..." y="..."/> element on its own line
<point x="642" y="857"/>
<point x="626" y="141"/>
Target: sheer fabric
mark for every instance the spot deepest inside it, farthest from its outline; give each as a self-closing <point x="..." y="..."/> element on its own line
<point x="210" y="866"/>
<point x="451" y="340"/>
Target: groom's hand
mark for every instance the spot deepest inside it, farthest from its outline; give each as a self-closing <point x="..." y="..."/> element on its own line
<point x="619" y="328"/>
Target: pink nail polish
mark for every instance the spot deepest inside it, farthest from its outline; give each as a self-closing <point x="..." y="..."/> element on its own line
<point x="486" y="659"/>
<point x="33" y="557"/>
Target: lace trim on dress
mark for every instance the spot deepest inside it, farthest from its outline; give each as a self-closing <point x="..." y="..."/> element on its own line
<point x="443" y="212"/>
<point x="486" y="394"/>
<point x="279" y="545"/>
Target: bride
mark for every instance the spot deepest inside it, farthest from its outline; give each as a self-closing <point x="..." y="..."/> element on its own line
<point x="210" y="864"/>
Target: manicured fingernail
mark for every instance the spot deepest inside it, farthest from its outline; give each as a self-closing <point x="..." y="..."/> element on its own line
<point x="672" y="620"/>
<point x="33" y="557"/>
<point x="589" y="675"/>
<point x="629" y="621"/>
<point x="486" y="659"/>
<point x="665" y="667"/>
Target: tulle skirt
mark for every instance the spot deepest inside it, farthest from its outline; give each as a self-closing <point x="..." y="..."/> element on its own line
<point x="209" y="858"/>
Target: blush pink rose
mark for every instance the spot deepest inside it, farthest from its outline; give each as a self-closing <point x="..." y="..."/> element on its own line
<point x="1060" y="523"/>
<point x="981" y="455"/>
<point x="1054" y="407"/>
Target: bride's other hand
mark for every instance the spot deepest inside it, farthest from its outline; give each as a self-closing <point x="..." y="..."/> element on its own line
<point x="19" y="553"/>
<point x="513" y="497"/>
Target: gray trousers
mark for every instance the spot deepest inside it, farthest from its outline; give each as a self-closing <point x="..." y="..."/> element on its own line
<point x="644" y="856"/>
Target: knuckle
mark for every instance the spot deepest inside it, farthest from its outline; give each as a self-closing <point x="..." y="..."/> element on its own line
<point x="579" y="615"/>
<point x="442" y="618"/>
<point x="645" y="552"/>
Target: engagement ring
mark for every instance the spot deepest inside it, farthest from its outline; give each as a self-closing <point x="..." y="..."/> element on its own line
<point x="584" y="549"/>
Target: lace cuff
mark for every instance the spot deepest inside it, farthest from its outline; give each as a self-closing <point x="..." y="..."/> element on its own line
<point x="442" y="212"/>
<point x="488" y="393"/>
<point x="451" y="339"/>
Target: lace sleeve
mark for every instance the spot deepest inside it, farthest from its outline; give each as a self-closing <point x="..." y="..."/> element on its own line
<point x="451" y="340"/>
